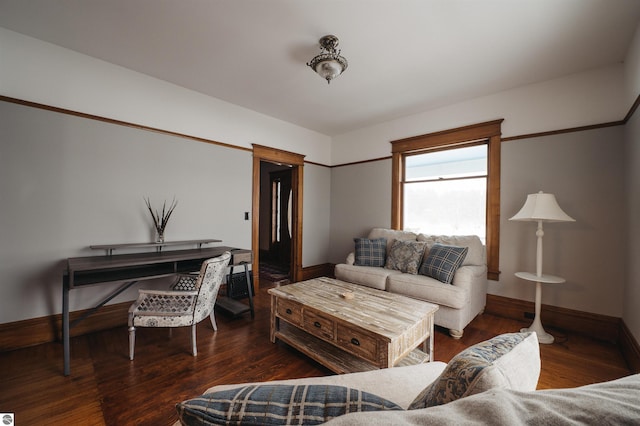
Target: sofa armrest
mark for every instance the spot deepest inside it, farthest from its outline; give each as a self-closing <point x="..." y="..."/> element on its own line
<point x="466" y="275"/>
<point x="473" y="278"/>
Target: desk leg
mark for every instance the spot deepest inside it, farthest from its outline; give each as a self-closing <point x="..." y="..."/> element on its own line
<point x="65" y="318"/>
<point x="65" y="327"/>
<point x="275" y="321"/>
<point x="249" y="288"/>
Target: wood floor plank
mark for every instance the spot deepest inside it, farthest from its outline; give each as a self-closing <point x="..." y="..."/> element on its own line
<point x="105" y="388"/>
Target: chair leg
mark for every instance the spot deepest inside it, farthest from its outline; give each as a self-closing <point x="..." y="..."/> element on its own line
<point x="213" y="321"/>
<point x="194" y="349"/>
<point x="132" y="341"/>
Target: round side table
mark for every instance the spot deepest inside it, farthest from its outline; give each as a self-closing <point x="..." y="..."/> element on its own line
<point x="543" y="336"/>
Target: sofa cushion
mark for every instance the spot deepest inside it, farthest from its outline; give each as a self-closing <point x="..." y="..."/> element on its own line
<point x="475" y="255"/>
<point x="510" y="361"/>
<point x="370" y="252"/>
<point x="428" y="289"/>
<point x="369" y="276"/>
<point x="392" y="235"/>
<point x="442" y="262"/>
<point x="278" y="405"/>
<point x="399" y="384"/>
<point x="406" y="256"/>
<point x="611" y="403"/>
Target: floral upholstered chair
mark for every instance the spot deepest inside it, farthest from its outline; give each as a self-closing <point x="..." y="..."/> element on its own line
<point x="179" y="308"/>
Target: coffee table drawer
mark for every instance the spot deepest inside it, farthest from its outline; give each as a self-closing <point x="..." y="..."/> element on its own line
<point x="318" y="324"/>
<point x="358" y="343"/>
<point x="290" y="311"/>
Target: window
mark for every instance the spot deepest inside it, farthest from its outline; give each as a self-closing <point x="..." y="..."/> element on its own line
<point x="445" y="192"/>
<point x="449" y="183"/>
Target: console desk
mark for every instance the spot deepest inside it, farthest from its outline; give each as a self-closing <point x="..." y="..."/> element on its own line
<point x="127" y="269"/>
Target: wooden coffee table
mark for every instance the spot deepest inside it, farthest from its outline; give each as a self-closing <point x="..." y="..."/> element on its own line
<point x="373" y="329"/>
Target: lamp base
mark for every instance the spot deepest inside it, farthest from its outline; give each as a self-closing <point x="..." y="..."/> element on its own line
<point x="543" y="336"/>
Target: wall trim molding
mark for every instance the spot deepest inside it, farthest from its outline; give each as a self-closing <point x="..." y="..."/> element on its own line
<point x="119" y="122"/>
<point x="35" y="331"/>
<point x="561" y="131"/>
<point x="627" y="117"/>
<point x="601" y="327"/>
<point x="630" y="348"/>
<point x="316" y="271"/>
<point x="596" y="326"/>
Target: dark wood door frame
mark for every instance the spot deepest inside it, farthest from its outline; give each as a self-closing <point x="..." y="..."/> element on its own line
<point x="296" y="161"/>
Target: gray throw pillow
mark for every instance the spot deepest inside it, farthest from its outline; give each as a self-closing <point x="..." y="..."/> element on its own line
<point x="405" y="256"/>
<point x="442" y="262"/>
<point x="370" y="252"/>
<point x="278" y="405"/>
<point x="509" y="361"/>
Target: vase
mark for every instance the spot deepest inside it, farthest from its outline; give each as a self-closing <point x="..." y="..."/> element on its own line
<point x="159" y="235"/>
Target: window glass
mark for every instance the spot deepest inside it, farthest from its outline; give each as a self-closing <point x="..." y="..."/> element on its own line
<point x="450" y="163"/>
<point x="445" y="192"/>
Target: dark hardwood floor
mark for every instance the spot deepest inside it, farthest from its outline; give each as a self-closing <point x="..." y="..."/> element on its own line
<point x="105" y="388"/>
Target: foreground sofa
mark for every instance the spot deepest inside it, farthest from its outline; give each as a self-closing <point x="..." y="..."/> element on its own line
<point x="459" y="301"/>
<point x="491" y="383"/>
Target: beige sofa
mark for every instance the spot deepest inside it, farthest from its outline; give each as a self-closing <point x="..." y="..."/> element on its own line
<point x="491" y="383"/>
<point x="459" y="301"/>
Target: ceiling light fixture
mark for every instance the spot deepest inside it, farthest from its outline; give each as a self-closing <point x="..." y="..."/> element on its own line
<point x="329" y="64"/>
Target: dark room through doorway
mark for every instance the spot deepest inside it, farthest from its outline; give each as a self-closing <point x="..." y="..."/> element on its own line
<point x="275" y="222"/>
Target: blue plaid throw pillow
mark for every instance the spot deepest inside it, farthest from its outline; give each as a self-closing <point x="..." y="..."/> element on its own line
<point x="370" y="252"/>
<point x="442" y="262"/>
<point x="278" y="405"/>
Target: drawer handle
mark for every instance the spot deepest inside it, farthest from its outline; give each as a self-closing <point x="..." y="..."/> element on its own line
<point x="288" y="311"/>
<point x="355" y="341"/>
<point x="317" y="324"/>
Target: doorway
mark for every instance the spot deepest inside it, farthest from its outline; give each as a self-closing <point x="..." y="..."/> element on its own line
<point x="275" y="222"/>
<point x="277" y="215"/>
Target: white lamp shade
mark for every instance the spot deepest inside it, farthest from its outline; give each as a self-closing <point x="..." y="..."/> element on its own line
<point x="543" y="207"/>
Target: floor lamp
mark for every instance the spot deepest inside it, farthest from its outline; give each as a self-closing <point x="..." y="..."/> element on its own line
<point x="540" y="208"/>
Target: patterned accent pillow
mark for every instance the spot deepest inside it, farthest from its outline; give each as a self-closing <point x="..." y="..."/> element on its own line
<point x="370" y="252"/>
<point x="509" y="361"/>
<point x="405" y="256"/>
<point x="442" y="262"/>
<point x="278" y="405"/>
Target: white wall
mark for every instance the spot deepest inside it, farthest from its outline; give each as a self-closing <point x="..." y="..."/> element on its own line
<point x="631" y="314"/>
<point x="360" y="200"/>
<point x="577" y="100"/>
<point x="316" y="206"/>
<point x="583" y="169"/>
<point x="632" y="70"/>
<point x="65" y="185"/>
<point x="585" y="172"/>
<point x="41" y="72"/>
<point x="572" y="165"/>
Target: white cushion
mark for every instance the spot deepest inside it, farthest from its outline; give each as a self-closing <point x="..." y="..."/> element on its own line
<point x="391" y="235"/>
<point x="398" y="384"/>
<point x="475" y="255"/>
<point x="370" y="276"/>
<point x="428" y="289"/>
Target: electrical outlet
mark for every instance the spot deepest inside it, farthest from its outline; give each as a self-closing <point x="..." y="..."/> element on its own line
<point x="529" y="315"/>
<point x="246" y="215"/>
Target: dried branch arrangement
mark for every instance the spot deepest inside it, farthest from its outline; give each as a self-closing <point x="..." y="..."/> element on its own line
<point x="160" y="220"/>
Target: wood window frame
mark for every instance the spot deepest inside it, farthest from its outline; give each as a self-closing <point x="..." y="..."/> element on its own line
<point x="491" y="133"/>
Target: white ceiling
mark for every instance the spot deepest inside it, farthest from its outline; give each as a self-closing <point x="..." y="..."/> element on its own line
<point x="405" y="56"/>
